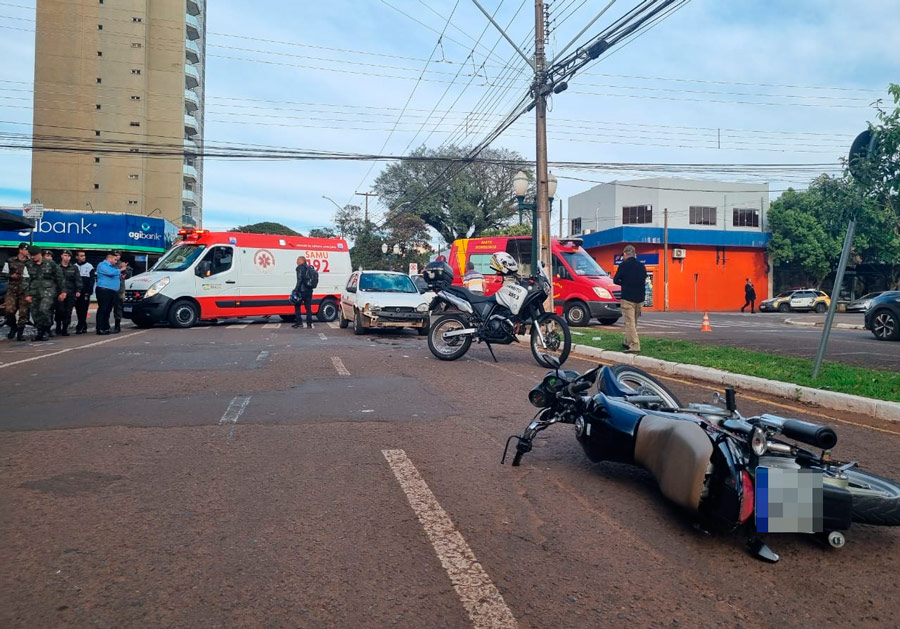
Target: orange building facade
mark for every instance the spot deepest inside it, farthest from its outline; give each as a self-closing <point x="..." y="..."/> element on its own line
<point x="707" y="270"/>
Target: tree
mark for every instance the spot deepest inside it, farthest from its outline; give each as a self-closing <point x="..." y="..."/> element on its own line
<point x="480" y="196"/>
<point x="799" y="239"/>
<point x="516" y="229"/>
<point x="322" y="232"/>
<point x="349" y="221"/>
<point x="266" y="228"/>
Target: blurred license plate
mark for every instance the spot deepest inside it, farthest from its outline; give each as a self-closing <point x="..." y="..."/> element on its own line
<point x="788" y="501"/>
<point x="127" y="308"/>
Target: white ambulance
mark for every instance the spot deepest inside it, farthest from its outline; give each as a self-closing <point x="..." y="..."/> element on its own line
<point x="215" y="275"/>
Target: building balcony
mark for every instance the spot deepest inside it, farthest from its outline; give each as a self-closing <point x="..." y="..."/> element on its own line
<point x="190" y="147"/>
<point x="191" y="101"/>
<point x="188" y="197"/>
<point x="191" y="77"/>
<point x="189" y="172"/>
<point x="194" y="26"/>
<point x="192" y="51"/>
<point x="191" y="125"/>
<point x="194" y="7"/>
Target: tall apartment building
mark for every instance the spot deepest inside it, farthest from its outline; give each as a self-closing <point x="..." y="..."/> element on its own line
<point x="120" y="84"/>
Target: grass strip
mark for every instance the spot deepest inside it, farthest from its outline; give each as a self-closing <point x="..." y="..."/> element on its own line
<point x="871" y="383"/>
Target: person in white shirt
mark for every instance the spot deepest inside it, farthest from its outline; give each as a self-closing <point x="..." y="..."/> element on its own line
<point x="83" y="302"/>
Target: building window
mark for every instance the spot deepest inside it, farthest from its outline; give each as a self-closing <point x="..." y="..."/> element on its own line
<point x="745" y="217"/>
<point x="96" y="160"/>
<point x="576" y="226"/>
<point x="137" y="19"/>
<point x="134" y="124"/>
<point x="137" y="45"/>
<point x="99" y="27"/>
<point x="135" y="71"/>
<point x="132" y="176"/>
<point x="132" y="203"/>
<point x="97" y="106"/>
<point x="134" y="150"/>
<point x="703" y="215"/>
<point x="135" y="98"/>
<point x="99" y="80"/>
<point x="97" y="133"/>
<point x="637" y="214"/>
<point x="99" y="53"/>
<point x="96" y="186"/>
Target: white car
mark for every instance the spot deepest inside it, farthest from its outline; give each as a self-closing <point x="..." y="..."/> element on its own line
<point x="383" y="299"/>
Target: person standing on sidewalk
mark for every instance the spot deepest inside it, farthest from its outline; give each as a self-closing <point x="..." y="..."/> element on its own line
<point x="307" y="280"/>
<point x="16" y="271"/>
<point x="632" y="277"/>
<point x="749" y="297"/>
<point x="45" y="286"/>
<point x="108" y="281"/>
<point x="86" y="269"/>
<point x="118" y="311"/>
<point x="72" y="287"/>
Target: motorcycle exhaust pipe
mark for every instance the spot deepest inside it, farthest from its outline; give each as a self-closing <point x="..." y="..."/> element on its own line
<point x="807" y="432"/>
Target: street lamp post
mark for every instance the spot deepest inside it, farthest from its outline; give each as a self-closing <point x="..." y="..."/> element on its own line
<point x="520" y="185"/>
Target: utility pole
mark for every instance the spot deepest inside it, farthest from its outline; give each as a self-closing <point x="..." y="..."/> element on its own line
<point x="367" y="195"/>
<point x="560" y="219"/>
<point x="665" y="259"/>
<point x="540" y="107"/>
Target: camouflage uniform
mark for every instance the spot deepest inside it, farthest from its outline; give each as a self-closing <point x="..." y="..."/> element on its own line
<point x="44" y="285"/>
<point x="118" y="312"/>
<point x="15" y="295"/>
<point x="72" y="284"/>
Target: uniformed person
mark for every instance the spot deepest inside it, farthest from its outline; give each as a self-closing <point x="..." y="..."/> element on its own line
<point x="16" y="271"/>
<point x="118" y="312"/>
<point x="73" y="286"/>
<point x="88" y="275"/>
<point x="48" y="255"/>
<point x="45" y="286"/>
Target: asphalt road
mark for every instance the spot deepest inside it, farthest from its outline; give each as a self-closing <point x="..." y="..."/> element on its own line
<point x="768" y="332"/>
<point x="256" y="475"/>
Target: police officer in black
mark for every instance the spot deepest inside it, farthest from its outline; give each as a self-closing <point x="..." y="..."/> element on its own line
<point x="304" y="292"/>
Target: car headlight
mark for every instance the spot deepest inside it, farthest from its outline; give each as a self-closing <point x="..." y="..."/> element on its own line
<point x="422" y="308"/>
<point x="602" y="293"/>
<point x="157" y="287"/>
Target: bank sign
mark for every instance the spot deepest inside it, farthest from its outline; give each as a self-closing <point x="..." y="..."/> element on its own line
<point x="96" y="230"/>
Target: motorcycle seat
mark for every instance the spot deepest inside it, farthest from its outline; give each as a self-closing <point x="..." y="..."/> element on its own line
<point x="465" y="293"/>
<point x="677" y="452"/>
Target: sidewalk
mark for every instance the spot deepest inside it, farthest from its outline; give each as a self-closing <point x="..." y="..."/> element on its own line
<point x="842" y="320"/>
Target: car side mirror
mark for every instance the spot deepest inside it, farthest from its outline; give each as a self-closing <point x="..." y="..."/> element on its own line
<point x="203" y="269"/>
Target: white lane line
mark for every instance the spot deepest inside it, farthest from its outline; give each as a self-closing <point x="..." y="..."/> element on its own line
<point x="71" y="349"/>
<point x="233" y="412"/>
<point x="237" y="326"/>
<point x="339" y="366"/>
<point x="478" y="594"/>
<point x="271" y="326"/>
<point x="322" y="336"/>
<point x="333" y="325"/>
<point x="262" y="356"/>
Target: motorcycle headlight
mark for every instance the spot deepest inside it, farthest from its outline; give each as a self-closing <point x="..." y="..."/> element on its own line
<point x="156" y="287"/>
<point x="538" y="397"/>
<point x="422" y="308"/>
<point x="602" y="293"/>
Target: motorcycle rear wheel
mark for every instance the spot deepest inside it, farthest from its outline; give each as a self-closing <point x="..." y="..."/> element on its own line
<point x="453" y="348"/>
<point x="876" y="500"/>
<point x="557" y="337"/>
<point x="643" y="382"/>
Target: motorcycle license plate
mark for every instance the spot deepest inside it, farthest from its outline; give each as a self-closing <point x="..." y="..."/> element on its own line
<point x="127" y="308"/>
<point x="788" y="500"/>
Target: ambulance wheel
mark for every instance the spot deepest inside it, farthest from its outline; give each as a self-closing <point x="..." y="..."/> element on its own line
<point x="287" y="318"/>
<point x="184" y="314"/>
<point x="328" y="311"/>
<point x="577" y="314"/>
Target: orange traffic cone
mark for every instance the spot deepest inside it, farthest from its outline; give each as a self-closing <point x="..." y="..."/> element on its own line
<point x="705" y="327"/>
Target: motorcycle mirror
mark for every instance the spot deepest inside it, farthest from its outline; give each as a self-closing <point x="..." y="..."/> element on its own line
<point x="716" y="398"/>
<point x="551" y="360"/>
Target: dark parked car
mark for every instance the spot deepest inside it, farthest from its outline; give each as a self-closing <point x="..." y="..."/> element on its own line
<point x="862" y="304"/>
<point x="883" y="316"/>
<point x="4" y="286"/>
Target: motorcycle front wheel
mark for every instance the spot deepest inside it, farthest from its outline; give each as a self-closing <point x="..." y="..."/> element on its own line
<point x="556" y="338"/>
<point x="453" y="347"/>
<point x="643" y="383"/>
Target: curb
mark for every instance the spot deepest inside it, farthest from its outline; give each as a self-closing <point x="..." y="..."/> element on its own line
<point x="889" y="411"/>
<point x="815" y="324"/>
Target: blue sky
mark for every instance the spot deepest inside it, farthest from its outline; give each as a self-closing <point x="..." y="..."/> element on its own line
<point x="785" y="81"/>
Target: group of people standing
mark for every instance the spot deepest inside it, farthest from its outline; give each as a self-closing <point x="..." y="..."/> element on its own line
<point x="48" y="292"/>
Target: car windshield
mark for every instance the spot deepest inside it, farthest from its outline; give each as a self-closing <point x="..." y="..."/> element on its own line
<point x="786" y="293"/>
<point x="179" y="258"/>
<point x="583" y="264"/>
<point x="386" y="283"/>
<point x="870" y="295"/>
<point x="420" y="282"/>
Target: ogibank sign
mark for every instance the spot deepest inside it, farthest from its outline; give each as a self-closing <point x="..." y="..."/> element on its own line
<point x="95" y="230"/>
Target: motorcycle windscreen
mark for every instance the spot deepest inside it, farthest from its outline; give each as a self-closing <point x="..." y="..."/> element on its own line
<point x="789" y="500"/>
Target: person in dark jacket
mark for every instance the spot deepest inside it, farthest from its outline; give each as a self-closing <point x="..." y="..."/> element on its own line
<point x="88" y="276"/>
<point x="73" y="286"/>
<point x="632" y="277"/>
<point x="749" y="297"/>
<point x="304" y="293"/>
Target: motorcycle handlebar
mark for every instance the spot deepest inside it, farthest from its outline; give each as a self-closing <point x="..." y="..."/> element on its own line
<point x="577" y="387"/>
<point x="813" y="434"/>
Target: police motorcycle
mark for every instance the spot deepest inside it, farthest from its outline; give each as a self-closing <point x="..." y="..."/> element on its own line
<point x="732" y="473"/>
<point x="495" y="320"/>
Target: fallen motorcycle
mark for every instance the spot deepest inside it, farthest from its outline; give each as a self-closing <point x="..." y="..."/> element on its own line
<point x="732" y="472"/>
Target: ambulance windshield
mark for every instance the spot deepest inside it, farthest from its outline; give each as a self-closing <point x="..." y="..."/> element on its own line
<point x="179" y="258"/>
<point x="583" y="264"/>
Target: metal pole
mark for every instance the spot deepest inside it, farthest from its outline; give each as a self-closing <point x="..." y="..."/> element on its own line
<point x="666" y="259"/>
<point x="543" y="200"/>
<point x="835" y="293"/>
<point x="560" y="220"/>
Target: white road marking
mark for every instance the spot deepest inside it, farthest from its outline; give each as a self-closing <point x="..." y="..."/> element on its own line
<point x="262" y="356"/>
<point x="71" y="349"/>
<point x="339" y="366"/>
<point x="238" y="326"/>
<point x="272" y="326"/>
<point x="480" y="597"/>
<point x="322" y="336"/>
<point x="333" y="325"/>
<point x="233" y="412"/>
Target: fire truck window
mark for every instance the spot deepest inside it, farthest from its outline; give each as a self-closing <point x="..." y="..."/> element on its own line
<point x="559" y="270"/>
<point x="520" y="249"/>
<point x="482" y="263"/>
<point x="220" y="259"/>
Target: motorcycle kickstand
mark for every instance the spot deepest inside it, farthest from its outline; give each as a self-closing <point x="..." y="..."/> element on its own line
<point x="760" y="550"/>
<point x="491" y="350"/>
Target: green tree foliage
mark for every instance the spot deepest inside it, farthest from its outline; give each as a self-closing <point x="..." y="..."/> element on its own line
<point x="478" y="197"/>
<point x="516" y="229"/>
<point x="407" y="231"/>
<point x="322" y="232"/>
<point x="266" y="228"/>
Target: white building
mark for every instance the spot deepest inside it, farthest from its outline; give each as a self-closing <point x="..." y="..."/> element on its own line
<point x="689" y="203"/>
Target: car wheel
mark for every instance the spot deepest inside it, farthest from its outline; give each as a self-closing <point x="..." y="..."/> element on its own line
<point x="184" y="314"/>
<point x="344" y="323"/>
<point x="784" y="308"/>
<point x="820" y="308"/>
<point x="328" y="311"/>
<point x="358" y="328"/>
<point x="423" y="331"/>
<point x="885" y="326"/>
<point x="577" y="314"/>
